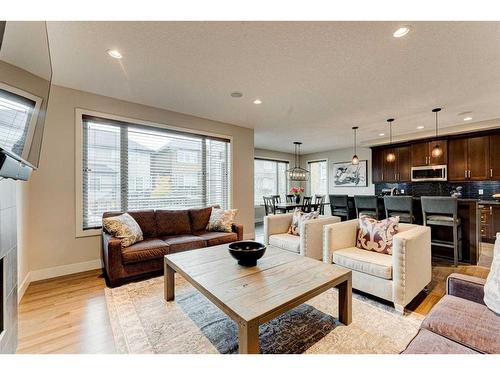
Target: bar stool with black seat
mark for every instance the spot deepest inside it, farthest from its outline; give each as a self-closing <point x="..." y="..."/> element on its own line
<point x="399" y="206"/>
<point x="443" y="211"/>
<point x="318" y="205"/>
<point x="367" y="205"/>
<point x="339" y="206"/>
<point x="307" y="204"/>
<point x="269" y="205"/>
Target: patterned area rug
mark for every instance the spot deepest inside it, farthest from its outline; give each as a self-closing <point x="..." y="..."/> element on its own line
<point x="143" y="322"/>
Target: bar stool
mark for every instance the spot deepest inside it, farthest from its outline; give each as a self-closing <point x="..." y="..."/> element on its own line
<point x="399" y="206"/>
<point x="366" y="205"/>
<point x="339" y="206"/>
<point x="443" y="211"/>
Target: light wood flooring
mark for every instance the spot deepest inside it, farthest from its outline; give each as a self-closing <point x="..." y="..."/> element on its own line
<point x="69" y="315"/>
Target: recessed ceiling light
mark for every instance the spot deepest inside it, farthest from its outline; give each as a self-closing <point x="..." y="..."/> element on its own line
<point x="236" y="94"/>
<point x="257" y="101"/>
<point x="381" y="134"/>
<point x="114" y="53"/>
<point x="467" y="118"/>
<point x="420" y="127"/>
<point x="402" y="31"/>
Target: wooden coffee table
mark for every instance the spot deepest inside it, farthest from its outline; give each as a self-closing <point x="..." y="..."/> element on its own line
<point x="252" y="296"/>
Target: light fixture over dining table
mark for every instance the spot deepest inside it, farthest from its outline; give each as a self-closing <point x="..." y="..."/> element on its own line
<point x="297" y="173"/>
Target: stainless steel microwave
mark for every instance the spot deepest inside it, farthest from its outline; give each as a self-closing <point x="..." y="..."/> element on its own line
<point x="429" y="173"/>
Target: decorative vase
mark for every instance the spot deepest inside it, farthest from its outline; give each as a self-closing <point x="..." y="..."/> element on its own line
<point x="297" y="199"/>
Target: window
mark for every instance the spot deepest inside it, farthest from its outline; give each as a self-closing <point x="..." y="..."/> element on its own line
<point x="18" y="114"/>
<point x="318" y="179"/>
<point x="128" y="166"/>
<point x="270" y="179"/>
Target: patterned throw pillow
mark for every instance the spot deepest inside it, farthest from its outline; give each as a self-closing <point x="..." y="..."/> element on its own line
<point x="123" y="227"/>
<point x="376" y="235"/>
<point x="299" y="217"/>
<point x="221" y="220"/>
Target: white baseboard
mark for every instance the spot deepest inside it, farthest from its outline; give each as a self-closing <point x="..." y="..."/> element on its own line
<point x="21" y="289"/>
<point x="67" y="269"/>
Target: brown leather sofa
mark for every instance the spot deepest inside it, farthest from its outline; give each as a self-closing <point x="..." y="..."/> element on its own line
<point x="460" y="323"/>
<point x="164" y="232"/>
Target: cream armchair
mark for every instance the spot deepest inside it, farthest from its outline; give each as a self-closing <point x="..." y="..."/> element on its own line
<point x="398" y="277"/>
<point x="310" y="241"/>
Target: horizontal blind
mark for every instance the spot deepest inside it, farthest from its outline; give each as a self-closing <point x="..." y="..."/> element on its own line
<point x="158" y="169"/>
<point x="269" y="179"/>
<point x="15" y="117"/>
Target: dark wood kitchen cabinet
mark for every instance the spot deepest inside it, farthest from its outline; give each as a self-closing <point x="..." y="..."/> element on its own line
<point x="496" y="219"/>
<point x="490" y="221"/>
<point x="390" y="167"/>
<point x="469" y="159"/>
<point x="495" y="157"/>
<point x="377" y="165"/>
<point x="404" y="164"/>
<point x="421" y="153"/>
<point x="398" y="170"/>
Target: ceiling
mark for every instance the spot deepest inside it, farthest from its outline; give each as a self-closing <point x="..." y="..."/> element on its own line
<point x="315" y="79"/>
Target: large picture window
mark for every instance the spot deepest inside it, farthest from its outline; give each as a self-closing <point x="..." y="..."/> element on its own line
<point x="129" y="166"/>
<point x="270" y="179"/>
<point x="318" y="181"/>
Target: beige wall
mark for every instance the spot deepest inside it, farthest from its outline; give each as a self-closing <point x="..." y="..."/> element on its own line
<point x="52" y="239"/>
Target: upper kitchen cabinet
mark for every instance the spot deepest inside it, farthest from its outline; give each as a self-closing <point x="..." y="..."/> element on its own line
<point x="495" y="157"/>
<point x="377" y="165"/>
<point x="421" y="153"/>
<point x="469" y="159"/>
<point x="398" y="170"/>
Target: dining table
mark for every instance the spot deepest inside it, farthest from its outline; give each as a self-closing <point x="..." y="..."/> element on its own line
<point x="285" y="207"/>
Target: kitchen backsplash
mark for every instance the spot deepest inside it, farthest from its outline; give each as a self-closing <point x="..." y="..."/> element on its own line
<point x="469" y="189"/>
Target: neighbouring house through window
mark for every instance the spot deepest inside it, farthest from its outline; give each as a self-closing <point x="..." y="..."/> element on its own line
<point x="269" y="179"/>
<point x="128" y="166"/>
<point x="318" y="179"/>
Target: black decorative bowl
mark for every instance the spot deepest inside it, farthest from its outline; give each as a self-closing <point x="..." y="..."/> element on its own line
<point x="247" y="252"/>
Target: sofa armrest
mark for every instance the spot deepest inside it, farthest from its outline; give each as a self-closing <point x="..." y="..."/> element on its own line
<point x="338" y="236"/>
<point x="464" y="286"/>
<point x="238" y="229"/>
<point x="311" y="236"/>
<point x="112" y="256"/>
<point x="411" y="263"/>
<point x="276" y="224"/>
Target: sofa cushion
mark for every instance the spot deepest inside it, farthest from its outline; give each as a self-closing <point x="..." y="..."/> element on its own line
<point x="123" y="227"/>
<point x="369" y="262"/>
<point x="466" y="322"/>
<point x="298" y="218"/>
<point x="427" y="342"/>
<point x="285" y="241"/>
<point x="184" y="242"/>
<point x="145" y="218"/>
<point x="172" y="222"/>
<point x="217" y="238"/>
<point x="376" y="235"/>
<point x="199" y="218"/>
<point x="144" y="250"/>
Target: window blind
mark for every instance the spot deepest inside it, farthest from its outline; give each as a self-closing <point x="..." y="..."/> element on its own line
<point x="15" y="117"/>
<point x="132" y="167"/>
<point x="269" y="179"/>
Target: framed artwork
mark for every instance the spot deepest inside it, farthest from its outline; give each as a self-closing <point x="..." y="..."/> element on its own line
<point x="345" y="174"/>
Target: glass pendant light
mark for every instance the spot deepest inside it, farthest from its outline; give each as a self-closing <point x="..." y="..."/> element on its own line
<point x="355" y="159"/>
<point x="391" y="157"/>
<point x="297" y="173"/>
<point x="437" y="151"/>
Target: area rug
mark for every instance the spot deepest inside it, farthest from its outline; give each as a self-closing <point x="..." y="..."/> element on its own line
<point x="143" y="322"/>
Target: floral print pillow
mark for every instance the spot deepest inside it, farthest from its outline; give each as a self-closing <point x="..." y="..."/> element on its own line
<point x="221" y="220"/>
<point x="298" y="217"/>
<point x="376" y="235"/>
<point x="123" y="227"/>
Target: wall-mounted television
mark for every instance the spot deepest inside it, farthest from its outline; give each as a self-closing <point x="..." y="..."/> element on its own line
<point x="25" y="79"/>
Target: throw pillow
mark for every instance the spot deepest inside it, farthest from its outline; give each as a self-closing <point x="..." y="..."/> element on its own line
<point x="123" y="227"/>
<point x="492" y="286"/>
<point x="376" y="235"/>
<point x="298" y="218"/>
<point x="221" y="220"/>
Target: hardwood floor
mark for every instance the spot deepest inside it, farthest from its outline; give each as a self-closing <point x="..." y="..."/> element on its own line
<point x="69" y="315"/>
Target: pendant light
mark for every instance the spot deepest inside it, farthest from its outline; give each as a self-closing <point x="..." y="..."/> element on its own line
<point x="391" y="157"/>
<point x="297" y="173"/>
<point x="437" y="151"/>
<point x="355" y="159"/>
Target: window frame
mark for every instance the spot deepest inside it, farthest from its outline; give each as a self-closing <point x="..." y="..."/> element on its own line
<point x="34" y="117"/>
<point x="80" y="112"/>
<point x="278" y="161"/>
<point x="308" y="189"/>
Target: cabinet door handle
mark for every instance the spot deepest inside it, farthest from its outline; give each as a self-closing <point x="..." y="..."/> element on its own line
<point x="466" y="173"/>
<point x="469" y="173"/>
<point x="491" y="210"/>
<point x="491" y="172"/>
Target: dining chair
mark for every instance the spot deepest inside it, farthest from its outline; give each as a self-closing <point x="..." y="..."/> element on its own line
<point x="290" y="198"/>
<point x="269" y="205"/>
<point x="307" y="204"/>
<point x="318" y="203"/>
